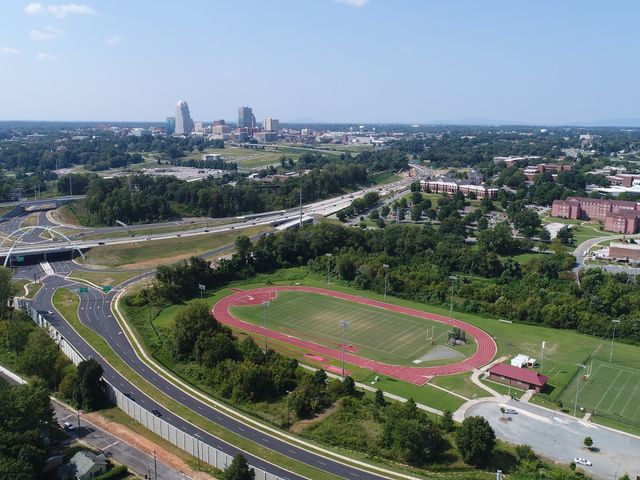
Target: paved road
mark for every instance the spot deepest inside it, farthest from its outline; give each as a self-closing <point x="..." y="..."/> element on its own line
<point x="559" y="437"/>
<point x="95" y="312"/>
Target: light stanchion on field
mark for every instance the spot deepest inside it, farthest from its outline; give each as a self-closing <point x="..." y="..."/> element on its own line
<point x="386" y="273"/>
<point x="613" y="338"/>
<point x="453" y="280"/>
<point x="575" y="405"/>
<point x="344" y="325"/>
<point x="328" y="255"/>
<point x="266" y="323"/>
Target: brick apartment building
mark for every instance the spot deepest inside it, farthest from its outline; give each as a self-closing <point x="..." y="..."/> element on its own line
<point x="618" y="216"/>
<point x="532" y="171"/>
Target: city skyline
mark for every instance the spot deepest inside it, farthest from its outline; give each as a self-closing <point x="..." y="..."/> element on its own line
<point x="365" y="61"/>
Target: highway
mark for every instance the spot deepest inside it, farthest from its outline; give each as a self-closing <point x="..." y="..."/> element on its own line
<point x="33" y="244"/>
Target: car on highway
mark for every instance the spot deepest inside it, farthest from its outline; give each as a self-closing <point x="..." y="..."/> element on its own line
<point x="511" y="411"/>
<point x="582" y="461"/>
<point x="50" y="312"/>
<point x="130" y="397"/>
<point x="68" y="426"/>
<point x="156" y="412"/>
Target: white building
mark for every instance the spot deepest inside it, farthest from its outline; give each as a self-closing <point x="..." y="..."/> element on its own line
<point x="271" y="124"/>
<point x="184" y="123"/>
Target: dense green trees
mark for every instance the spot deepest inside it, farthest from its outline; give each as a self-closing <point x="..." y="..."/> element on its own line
<point x="239" y="470"/>
<point x="25" y="417"/>
<point x="475" y="440"/>
<point x="83" y="387"/>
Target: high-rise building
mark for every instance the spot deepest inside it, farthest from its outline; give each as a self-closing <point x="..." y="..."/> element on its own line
<point x="246" y="118"/>
<point x="184" y="124"/>
<point x="271" y="124"/>
<point x="171" y="125"/>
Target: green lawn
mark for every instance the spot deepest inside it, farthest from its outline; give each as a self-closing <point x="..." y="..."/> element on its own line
<point x="103" y="278"/>
<point x="382" y="178"/>
<point x="376" y="333"/>
<point x="148" y="254"/>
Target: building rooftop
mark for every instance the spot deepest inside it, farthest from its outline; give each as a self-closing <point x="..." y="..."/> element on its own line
<point x="522" y="374"/>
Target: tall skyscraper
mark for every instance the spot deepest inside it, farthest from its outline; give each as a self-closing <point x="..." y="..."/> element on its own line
<point x="246" y="118"/>
<point x="171" y="125"/>
<point x="271" y="124"/>
<point x="184" y="124"/>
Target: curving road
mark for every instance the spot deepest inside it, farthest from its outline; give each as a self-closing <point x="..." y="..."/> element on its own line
<point x="95" y="313"/>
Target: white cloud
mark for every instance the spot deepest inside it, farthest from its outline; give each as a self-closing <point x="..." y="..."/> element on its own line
<point x="115" y="40"/>
<point x="8" y="51"/>
<point x="34" y="9"/>
<point x="46" y="57"/>
<point x="47" y="33"/>
<point x="62" y="11"/>
<point x="353" y="3"/>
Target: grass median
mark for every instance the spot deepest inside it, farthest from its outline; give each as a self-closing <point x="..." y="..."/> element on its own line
<point x="67" y="302"/>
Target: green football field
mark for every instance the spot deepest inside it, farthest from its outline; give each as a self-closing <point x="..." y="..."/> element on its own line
<point x="612" y="390"/>
<point x="376" y="333"/>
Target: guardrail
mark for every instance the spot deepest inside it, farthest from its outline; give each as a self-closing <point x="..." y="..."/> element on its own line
<point x="184" y="441"/>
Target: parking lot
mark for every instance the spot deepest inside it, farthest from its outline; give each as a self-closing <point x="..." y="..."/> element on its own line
<point x="560" y="438"/>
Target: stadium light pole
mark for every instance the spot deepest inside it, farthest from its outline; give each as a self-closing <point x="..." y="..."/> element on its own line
<point x="613" y="338"/>
<point x="328" y="255"/>
<point x="344" y="325"/>
<point x="386" y="272"/>
<point x="266" y="323"/>
<point x="453" y="279"/>
<point x="575" y="405"/>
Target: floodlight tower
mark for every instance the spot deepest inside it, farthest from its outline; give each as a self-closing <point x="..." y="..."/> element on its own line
<point x="613" y="338"/>
<point x="453" y="279"/>
<point x="386" y="272"/>
<point x="328" y="255"/>
<point x="266" y="323"/>
<point x="343" y="325"/>
<point x="575" y="405"/>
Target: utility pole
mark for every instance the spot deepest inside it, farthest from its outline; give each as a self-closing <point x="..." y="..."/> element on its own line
<point x="301" y="200"/>
<point x="542" y="356"/>
<point x="344" y="325"/>
<point x="78" y="412"/>
<point x="613" y="338"/>
<point x="575" y="405"/>
<point x="453" y="279"/>
<point x="266" y="324"/>
<point x="155" y="465"/>
<point x="386" y="272"/>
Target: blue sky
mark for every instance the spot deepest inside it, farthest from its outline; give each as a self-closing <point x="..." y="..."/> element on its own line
<point x="542" y="61"/>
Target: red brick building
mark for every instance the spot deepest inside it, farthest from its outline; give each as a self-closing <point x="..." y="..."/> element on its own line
<point x="532" y="171"/>
<point x="618" y="216"/>
<point x="517" y="377"/>
<point x="451" y="187"/>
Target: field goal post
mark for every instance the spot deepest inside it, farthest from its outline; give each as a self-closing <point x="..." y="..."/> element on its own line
<point x="431" y="335"/>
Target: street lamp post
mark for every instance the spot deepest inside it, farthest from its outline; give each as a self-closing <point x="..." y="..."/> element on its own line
<point x="266" y="323"/>
<point x="155" y="465"/>
<point x="78" y="413"/>
<point x="344" y="325"/>
<point x="575" y="405"/>
<point x="453" y="279"/>
<point x="328" y="255"/>
<point x="613" y="338"/>
<point x="386" y="272"/>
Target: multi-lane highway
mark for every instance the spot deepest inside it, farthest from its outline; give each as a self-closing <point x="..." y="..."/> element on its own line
<point x="32" y="243"/>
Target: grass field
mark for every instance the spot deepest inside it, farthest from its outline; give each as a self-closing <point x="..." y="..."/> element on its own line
<point x="148" y="254"/>
<point x="376" y="333"/>
<point x="612" y="391"/>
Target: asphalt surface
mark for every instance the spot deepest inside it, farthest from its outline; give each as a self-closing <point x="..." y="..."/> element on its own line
<point x="560" y="437"/>
<point x="94" y="311"/>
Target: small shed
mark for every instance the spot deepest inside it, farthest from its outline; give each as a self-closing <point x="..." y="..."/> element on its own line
<point x="517" y="377"/>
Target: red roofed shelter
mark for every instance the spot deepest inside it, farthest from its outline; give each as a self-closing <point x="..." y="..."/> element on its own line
<point x="517" y="377"/>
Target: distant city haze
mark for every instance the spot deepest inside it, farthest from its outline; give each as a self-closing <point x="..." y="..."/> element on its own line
<point x="368" y="61"/>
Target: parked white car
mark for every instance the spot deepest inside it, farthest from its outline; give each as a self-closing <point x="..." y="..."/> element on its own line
<point x="582" y="461"/>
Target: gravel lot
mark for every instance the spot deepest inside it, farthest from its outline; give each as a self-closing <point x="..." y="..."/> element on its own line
<point x="559" y="437"/>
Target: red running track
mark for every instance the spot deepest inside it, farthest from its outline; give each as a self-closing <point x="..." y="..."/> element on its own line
<point x="486" y="347"/>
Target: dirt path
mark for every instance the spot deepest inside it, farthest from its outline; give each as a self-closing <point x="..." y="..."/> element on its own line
<point x="144" y="444"/>
<point x="300" y="425"/>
